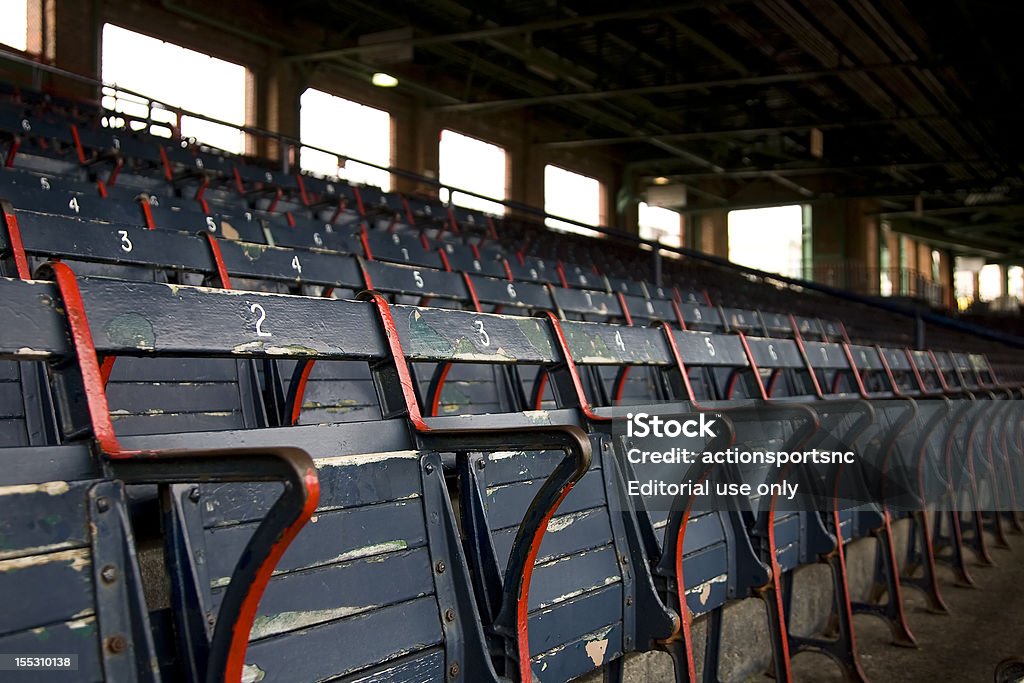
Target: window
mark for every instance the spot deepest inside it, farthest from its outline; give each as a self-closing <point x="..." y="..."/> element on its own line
<point x="963" y="288"/>
<point x="1016" y="284"/>
<point x="349" y="129"/>
<point x="178" y="77"/>
<point x="574" y="196"/>
<point x="885" y="267"/>
<point x="990" y="284"/>
<point x="661" y="225"/>
<point x="14" y="24"/>
<point x="476" y="166"/>
<point x="768" y="239"/>
<point x="969" y="280"/>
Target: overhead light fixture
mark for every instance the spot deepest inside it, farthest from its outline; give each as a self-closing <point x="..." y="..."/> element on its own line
<point x="383" y="80"/>
<point x="661" y="180"/>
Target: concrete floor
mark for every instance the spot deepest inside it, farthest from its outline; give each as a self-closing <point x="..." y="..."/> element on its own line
<point x="985" y="625"/>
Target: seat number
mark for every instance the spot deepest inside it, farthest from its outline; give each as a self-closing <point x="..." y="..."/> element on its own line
<point x="296" y="266"/>
<point x="618" y="341"/>
<point x="73" y="204"/>
<point x="710" y="345"/>
<point x="417" y="278"/>
<point x="485" y="338"/>
<point x="262" y="313"/>
<point x="126" y="244"/>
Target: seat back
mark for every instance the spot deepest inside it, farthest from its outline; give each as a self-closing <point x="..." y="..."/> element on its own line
<point x="587" y="576"/>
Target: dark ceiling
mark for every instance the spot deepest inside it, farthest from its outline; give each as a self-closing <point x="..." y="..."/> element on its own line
<point x="916" y="101"/>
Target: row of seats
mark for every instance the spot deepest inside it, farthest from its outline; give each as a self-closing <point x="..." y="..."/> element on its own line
<point x="595" y="586"/>
<point x="245" y="473"/>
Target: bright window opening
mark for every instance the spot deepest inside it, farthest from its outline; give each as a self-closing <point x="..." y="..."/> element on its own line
<point x="963" y="288"/>
<point x="350" y="129"/>
<point x="14" y="23"/>
<point x="476" y="166"/>
<point x="574" y="196"/>
<point x="768" y="239"/>
<point x="1016" y="284"/>
<point x="661" y="225"/>
<point x="178" y="77"/>
<point x="989" y="285"/>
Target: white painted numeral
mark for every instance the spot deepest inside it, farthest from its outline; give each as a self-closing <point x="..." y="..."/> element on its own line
<point x="395" y="238"/>
<point x="73" y="204"/>
<point x="318" y="240"/>
<point x="257" y="308"/>
<point x="511" y="290"/>
<point x="153" y="201"/>
<point x="650" y="307"/>
<point x="476" y="265"/>
<point x="485" y="338"/>
<point x="711" y="346"/>
<point x="583" y="280"/>
<point x="199" y="163"/>
<point x="618" y="340"/>
<point x="772" y="353"/>
<point x="117" y="143"/>
<point x="126" y="244"/>
<point x="211" y="224"/>
<point x="25" y="125"/>
<point x="296" y="266"/>
<point x="248" y="216"/>
<point x="269" y="178"/>
<point x="417" y="278"/>
<point x="824" y="354"/>
<point x="590" y="299"/>
<point x="405" y="253"/>
<point x="533" y="274"/>
<point x="697" y="314"/>
<point x="44" y="183"/>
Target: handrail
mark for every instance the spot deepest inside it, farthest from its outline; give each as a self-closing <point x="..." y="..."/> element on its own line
<point x="610" y="232"/>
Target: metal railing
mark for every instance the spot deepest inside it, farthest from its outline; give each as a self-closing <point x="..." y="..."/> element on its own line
<point x="907" y="283"/>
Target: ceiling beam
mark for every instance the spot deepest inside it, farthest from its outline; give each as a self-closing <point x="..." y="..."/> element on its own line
<point x="960" y="208"/>
<point x="496" y="31"/>
<point x="612" y="93"/>
<point x="730" y="132"/>
<point x="804" y="170"/>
